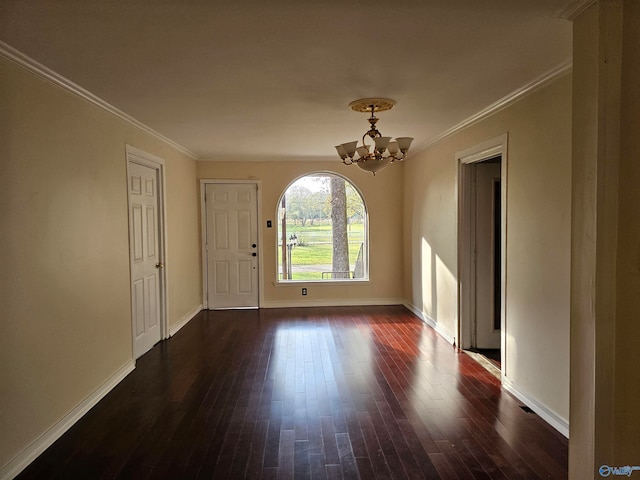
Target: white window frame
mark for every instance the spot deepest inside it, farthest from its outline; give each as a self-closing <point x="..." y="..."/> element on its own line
<point x="365" y="252"/>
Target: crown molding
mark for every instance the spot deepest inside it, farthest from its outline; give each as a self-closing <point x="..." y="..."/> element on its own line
<point x="269" y="158"/>
<point x="504" y="102"/>
<point x="573" y="8"/>
<point x="29" y="64"/>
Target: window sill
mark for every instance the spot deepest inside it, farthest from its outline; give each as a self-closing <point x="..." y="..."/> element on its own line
<point x="297" y="283"/>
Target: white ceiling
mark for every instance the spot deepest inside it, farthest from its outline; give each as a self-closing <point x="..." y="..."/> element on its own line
<point x="254" y="79"/>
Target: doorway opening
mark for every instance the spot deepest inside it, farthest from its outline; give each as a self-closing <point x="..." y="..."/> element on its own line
<point x="481" y="253"/>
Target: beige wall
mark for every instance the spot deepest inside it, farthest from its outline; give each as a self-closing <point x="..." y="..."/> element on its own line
<point x="538" y="238"/>
<point x="383" y="197"/>
<point x="64" y="281"/>
<point x="183" y="239"/>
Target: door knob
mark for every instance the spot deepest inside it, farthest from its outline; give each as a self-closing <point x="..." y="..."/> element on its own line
<point x="254" y="245"/>
<point x="159" y="265"/>
<point x="254" y="254"/>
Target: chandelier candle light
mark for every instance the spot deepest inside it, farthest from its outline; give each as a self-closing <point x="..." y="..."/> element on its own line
<point x="385" y="150"/>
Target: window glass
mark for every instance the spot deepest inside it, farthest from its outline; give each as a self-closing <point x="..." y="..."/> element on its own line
<point x="322" y="230"/>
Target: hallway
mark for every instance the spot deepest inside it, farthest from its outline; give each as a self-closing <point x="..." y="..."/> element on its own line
<point x="310" y="393"/>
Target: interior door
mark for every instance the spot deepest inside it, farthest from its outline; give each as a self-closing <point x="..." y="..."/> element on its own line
<point x="145" y="259"/>
<point x="231" y="245"/>
<point x="487" y="237"/>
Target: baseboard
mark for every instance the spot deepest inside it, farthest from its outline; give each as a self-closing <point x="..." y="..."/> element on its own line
<point x="332" y="303"/>
<point x="29" y="454"/>
<point x="431" y="322"/>
<point x="184" y="320"/>
<point x="548" y="415"/>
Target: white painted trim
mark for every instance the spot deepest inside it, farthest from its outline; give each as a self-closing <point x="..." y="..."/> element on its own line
<point x="271" y="158"/>
<point x="482" y="151"/>
<point x="135" y="155"/>
<point x="44" y="441"/>
<point x="260" y="249"/>
<point x="203" y="243"/>
<point x="184" y="320"/>
<point x="548" y="415"/>
<point x="353" y="302"/>
<point x="144" y="158"/>
<point x="543" y="80"/>
<point x="203" y="234"/>
<point x="318" y="283"/>
<point x="572" y="9"/>
<point x="431" y="322"/>
<point x="29" y="64"/>
<point x="552" y="418"/>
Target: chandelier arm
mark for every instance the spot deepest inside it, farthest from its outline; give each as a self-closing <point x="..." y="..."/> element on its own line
<point x="363" y="137"/>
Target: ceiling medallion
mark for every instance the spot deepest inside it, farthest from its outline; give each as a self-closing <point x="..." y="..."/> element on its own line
<point x="385" y="150"/>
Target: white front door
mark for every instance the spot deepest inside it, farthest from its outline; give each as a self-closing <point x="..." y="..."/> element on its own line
<point x="145" y="257"/>
<point x="487" y="237"/>
<point x="231" y="245"/>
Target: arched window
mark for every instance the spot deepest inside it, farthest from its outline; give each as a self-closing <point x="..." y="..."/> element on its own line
<point x="322" y="230"/>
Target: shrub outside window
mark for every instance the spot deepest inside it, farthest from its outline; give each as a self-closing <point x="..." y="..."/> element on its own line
<point x="322" y="231"/>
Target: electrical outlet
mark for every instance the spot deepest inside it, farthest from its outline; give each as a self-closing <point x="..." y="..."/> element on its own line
<point x="304" y="291"/>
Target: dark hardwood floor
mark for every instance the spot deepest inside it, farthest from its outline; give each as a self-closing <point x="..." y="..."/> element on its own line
<point x="313" y="393"/>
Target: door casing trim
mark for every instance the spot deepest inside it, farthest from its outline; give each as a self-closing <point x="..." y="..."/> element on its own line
<point x="203" y="232"/>
<point x="140" y="157"/>
<point x="497" y="146"/>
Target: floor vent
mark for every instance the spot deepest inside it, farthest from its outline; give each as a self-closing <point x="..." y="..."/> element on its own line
<point x="526" y="409"/>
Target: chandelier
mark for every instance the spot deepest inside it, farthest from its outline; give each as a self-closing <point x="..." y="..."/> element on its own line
<point x="385" y="150"/>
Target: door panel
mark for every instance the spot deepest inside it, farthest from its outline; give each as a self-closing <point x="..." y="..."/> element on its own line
<point x="222" y="278"/>
<point x="231" y="245"/>
<point x="245" y="276"/>
<point x="221" y="229"/>
<point x="138" y="307"/>
<point x="136" y="231"/>
<point x="487" y="177"/>
<point x="144" y="238"/>
<point x="151" y="227"/>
